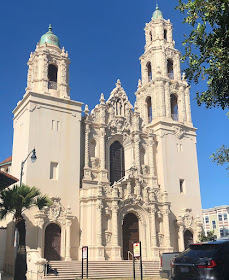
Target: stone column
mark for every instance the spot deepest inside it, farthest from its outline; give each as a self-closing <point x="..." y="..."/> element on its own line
<point x="40" y="217"/>
<point x="68" y="240"/>
<point x="181" y="238"/>
<point x="178" y="67"/>
<point x="99" y="233"/>
<point x="99" y="208"/>
<point x="87" y="169"/>
<point x="87" y="131"/>
<point x="102" y="148"/>
<point x="153" y="227"/>
<point x="187" y="103"/>
<point x="166" y="225"/>
<point x="116" y="250"/>
<point x="183" y="108"/>
<point x="151" y="154"/>
<point x="167" y="100"/>
<point x="137" y="151"/>
<point x="115" y="222"/>
<point x="162" y="99"/>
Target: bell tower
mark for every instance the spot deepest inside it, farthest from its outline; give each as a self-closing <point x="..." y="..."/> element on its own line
<point x="49" y="121"/>
<point x="162" y="93"/>
<point x="163" y="102"/>
<point x="49" y="67"/>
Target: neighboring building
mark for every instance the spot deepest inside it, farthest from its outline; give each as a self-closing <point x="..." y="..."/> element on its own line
<point x="5" y="178"/>
<point x="216" y="219"/>
<point x="118" y="174"/>
<point x="5" y="165"/>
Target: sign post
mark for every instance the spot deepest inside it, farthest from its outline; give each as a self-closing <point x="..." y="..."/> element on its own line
<point x="137" y="253"/>
<point x="84" y="257"/>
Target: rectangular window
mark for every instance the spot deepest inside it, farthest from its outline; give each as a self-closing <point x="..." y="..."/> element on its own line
<point x="53" y="125"/>
<point x="220" y="217"/>
<point x="182" y="190"/>
<point x="207" y="220"/>
<point x="221" y="232"/>
<point x="54" y="170"/>
<point x="225" y="216"/>
<point x="58" y="126"/>
<point x="213" y="225"/>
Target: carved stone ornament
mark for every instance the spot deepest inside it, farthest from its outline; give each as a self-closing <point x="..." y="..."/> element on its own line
<point x="108" y="235"/>
<point x="54" y="210"/>
<point x="187" y="217"/>
<point x="107" y="190"/>
<point x="179" y="131"/>
<point x="145" y="169"/>
<point x="160" y="238"/>
<point x="94" y="162"/>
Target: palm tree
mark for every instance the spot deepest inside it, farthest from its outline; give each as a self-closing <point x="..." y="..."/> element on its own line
<point x="15" y="201"/>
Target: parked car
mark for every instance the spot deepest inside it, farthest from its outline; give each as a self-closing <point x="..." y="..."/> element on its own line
<point x="165" y="270"/>
<point x="202" y="261"/>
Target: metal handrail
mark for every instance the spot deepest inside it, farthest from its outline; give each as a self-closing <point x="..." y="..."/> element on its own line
<point x="129" y="253"/>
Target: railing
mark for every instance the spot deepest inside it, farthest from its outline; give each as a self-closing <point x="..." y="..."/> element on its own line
<point x="129" y="253"/>
<point x="174" y="117"/>
<point x="52" y="85"/>
<point x="171" y="76"/>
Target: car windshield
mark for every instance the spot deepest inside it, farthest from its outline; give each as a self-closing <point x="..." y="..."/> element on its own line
<point x="201" y="251"/>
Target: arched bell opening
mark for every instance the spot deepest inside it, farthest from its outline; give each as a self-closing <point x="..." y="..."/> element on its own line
<point x="170" y="69"/>
<point x="149" y="71"/>
<point x="149" y="109"/>
<point x="188" y="238"/>
<point x="130" y="234"/>
<point x="117" y="163"/>
<point x="52" y="76"/>
<point x="174" y="107"/>
<point x="52" y="242"/>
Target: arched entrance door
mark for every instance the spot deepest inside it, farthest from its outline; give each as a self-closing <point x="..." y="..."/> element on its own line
<point x="130" y="233"/>
<point x="188" y="238"/>
<point x="52" y="242"/>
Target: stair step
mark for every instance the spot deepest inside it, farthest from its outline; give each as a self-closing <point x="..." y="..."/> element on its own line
<point x="71" y="270"/>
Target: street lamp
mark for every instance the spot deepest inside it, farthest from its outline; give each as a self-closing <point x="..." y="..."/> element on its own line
<point x="33" y="159"/>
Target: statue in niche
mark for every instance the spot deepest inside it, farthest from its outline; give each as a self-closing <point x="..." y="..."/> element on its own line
<point x="119" y="108"/>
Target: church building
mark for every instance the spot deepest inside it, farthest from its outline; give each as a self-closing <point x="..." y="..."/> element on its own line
<point x="117" y="174"/>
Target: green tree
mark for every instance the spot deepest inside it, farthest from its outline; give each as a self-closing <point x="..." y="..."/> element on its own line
<point x="15" y="201"/>
<point x="209" y="237"/>
<point x="207" y="55"/>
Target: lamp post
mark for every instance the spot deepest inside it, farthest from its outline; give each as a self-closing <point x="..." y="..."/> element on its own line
<point x="33" y="159"/>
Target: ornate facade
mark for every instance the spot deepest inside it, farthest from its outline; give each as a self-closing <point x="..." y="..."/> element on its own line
<point x="119" y="174"/>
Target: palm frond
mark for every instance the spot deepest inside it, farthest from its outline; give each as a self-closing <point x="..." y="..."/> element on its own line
<point x="42" y="201"/>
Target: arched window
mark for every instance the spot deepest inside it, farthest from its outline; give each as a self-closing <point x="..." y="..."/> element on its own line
<point x="170" y="69"/>
<point x="149" y="71"/>
<point x="165" y="34"/>
<point x="151" y="36"/>
<point x="117" y="164"/>
<point x="149" y="109"/>
<point x="52" y="76"/>
<point x="174" y="107"/>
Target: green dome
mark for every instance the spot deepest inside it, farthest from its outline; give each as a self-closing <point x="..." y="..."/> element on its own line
<point x="49" y="38"/>
<point x="157" y="13"/>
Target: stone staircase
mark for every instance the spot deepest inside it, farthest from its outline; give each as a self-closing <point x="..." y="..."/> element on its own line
<point x="70" y="270"/>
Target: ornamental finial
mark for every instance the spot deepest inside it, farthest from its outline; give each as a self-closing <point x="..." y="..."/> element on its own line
<point x="50" y="27"/>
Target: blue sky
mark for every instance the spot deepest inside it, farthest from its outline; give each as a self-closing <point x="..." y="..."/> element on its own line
<point x="104" y="39"/>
